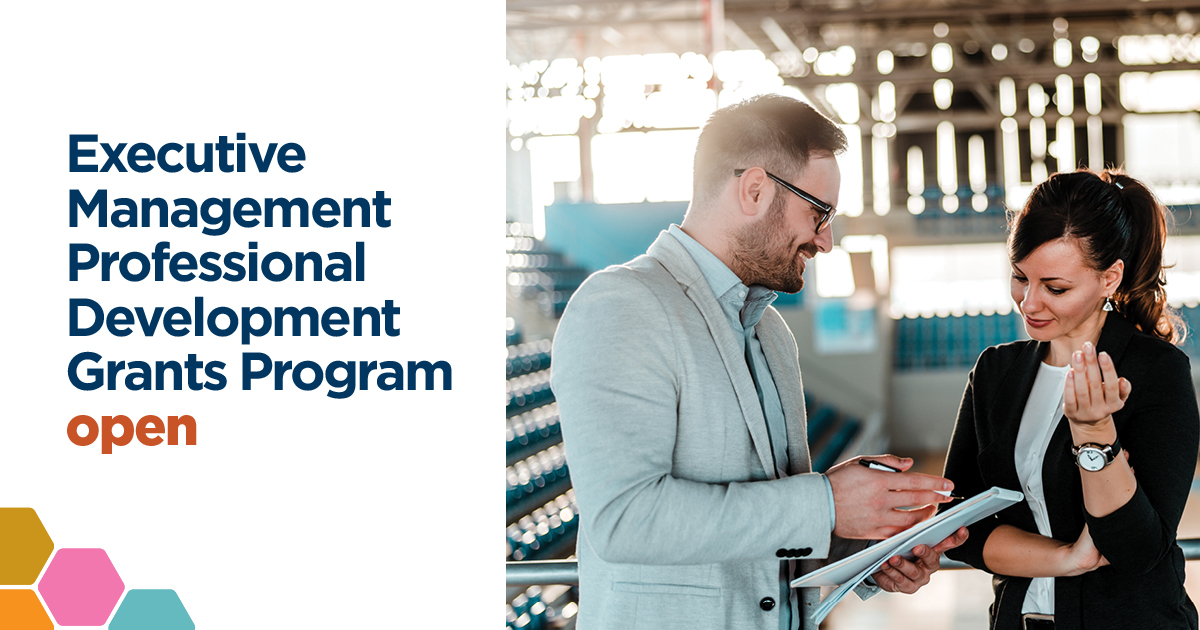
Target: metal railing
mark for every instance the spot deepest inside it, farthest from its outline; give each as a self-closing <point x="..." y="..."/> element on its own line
<point x="533" y="572"/>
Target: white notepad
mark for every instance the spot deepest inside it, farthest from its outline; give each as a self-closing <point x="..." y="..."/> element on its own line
<point x="848" y="572"/>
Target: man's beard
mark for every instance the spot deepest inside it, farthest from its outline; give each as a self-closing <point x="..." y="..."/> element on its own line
<point x="763" y="254"/>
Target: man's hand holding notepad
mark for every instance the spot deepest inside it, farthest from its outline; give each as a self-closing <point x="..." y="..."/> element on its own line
<point x="850" y="571"/>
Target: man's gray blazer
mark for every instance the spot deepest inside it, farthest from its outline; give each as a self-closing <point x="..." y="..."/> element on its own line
<point x="683" y="519"/>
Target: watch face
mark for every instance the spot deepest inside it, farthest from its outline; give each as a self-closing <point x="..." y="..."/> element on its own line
<point x="1091" y="459"/>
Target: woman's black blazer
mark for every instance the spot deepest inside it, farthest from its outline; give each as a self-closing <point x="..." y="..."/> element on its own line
<point x="1159" y="426"/>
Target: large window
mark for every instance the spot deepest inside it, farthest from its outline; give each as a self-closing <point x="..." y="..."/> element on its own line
<point x="1183" y="278"/>
<point x="971" y="279"/>
<point x="947" y="280"/>
<point x="553" y="160"/>
<point x="649" y="166"/>
<point x="1164" y="151"/>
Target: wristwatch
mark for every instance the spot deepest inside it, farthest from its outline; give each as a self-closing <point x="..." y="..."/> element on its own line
<point x="1095" y="457"/>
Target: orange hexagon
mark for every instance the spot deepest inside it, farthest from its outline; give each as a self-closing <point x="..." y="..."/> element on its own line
<point x="21" y="610"/>
<point x="24" y="546"/>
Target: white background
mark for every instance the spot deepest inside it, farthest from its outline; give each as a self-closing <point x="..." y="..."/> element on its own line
<point x="295" y="510"/>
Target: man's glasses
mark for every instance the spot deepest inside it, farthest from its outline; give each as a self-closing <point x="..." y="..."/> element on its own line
<point x="827" y="211"/>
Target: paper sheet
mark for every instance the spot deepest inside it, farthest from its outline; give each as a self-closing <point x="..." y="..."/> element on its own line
<point x="850" y="571"/>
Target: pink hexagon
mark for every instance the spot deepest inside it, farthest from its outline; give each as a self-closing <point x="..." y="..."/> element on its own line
<point x="81" y="587"/>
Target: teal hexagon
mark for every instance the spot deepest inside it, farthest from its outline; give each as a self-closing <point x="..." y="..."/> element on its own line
<point x="151" y="609"/>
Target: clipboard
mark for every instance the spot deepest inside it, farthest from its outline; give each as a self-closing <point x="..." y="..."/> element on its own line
<point x="929" y="533"/>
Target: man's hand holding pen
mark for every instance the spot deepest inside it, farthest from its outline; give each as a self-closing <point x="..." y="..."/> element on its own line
<point x="874" y="502"/>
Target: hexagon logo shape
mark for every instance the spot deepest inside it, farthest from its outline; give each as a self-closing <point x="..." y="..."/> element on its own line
<point x="81" y="587"/>
<point x="21" y="610"/>
<point x="24" y="546"/>
<point x="151" y="609"/>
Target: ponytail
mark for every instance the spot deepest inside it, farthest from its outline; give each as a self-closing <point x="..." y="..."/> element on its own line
<point x="1142" y="296"/>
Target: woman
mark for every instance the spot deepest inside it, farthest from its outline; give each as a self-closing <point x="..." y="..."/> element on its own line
<point x="1067" y="416"/>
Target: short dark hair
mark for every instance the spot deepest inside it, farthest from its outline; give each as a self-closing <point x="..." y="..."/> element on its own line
<point x="1112" y="217"/>
<point x="773" y="132"/>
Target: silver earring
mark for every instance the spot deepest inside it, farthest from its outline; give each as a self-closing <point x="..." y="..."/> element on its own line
<point x="1108" y="307"/>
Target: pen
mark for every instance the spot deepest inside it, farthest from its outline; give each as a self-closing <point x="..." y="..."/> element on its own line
<point x="874" y="465"/>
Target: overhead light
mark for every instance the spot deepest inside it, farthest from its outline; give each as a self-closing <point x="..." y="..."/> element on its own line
<point x="1008" y="96"/>
<point x="942" y="57"/>
<point x="1037" y="138"/>
<point x="1095" y="143"/>
<point x="916" y="171"/>
<point x="1062" y="52"/>
<point x="844" y="99"/>
<point x="943" y="93"/>
<point x="881" y="183"/>
<point x="1064" y="92"/>
<point x="947" y="160"/>
<point x="916" y="180"/>
<point x="976" y="164"/>
<point x="1169" y="91"/>
<point x="887" y="101"/>
<point x="885" y="62"/>
<point x="1091" y="93"/>
<point x="1065" y="138"/>
<point x="1037" y="99"/>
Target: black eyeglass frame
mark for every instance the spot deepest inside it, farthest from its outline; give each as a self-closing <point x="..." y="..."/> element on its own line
<point x="827" y="211"/>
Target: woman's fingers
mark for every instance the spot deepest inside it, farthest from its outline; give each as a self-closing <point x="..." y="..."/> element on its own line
<point x="1112" y="384"/>
<point x="1078" y="372"/>
<point x="1095" y="382"/>
<point x="1093" y="390"/>
<point x="1070" y="404"/>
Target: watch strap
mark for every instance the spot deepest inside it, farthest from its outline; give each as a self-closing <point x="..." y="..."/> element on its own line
<point x="1116" y="449"/>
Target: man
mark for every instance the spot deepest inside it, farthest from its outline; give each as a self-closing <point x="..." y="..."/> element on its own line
<point x="683" y="411"/>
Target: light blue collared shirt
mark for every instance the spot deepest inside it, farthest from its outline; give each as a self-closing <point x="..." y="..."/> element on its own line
<point x="743" y="307"/>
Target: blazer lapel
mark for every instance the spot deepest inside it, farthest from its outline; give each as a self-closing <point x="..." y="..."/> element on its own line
<point x="676" y="260"/>
<point x="775" y="338"/>
<point x="1007" y="408"/>
<point x="1060" y="482"/>
<point x="1114" y="337"/>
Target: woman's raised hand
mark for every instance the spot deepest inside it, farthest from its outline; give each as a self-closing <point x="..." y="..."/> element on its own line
<point x="1093" y="390"/>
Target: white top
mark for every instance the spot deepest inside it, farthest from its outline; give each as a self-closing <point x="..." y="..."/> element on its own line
<point x="1043" y="410"/>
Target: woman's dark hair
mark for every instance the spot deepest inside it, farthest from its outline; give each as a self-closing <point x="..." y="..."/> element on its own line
<point x="1112" y="217"/>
